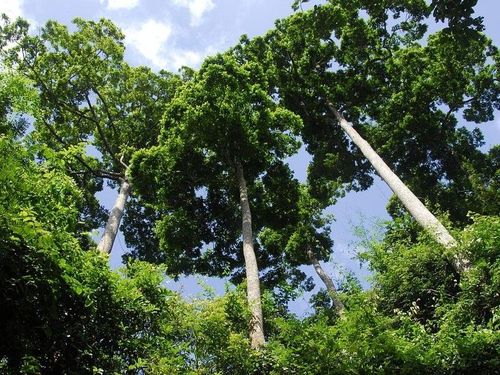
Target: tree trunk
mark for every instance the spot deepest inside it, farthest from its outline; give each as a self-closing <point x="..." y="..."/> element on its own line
<point x="252" y="270"/>
<point x="416" y="208"/>
<point x="114" y="219"/>
<point x="330" y="287"/>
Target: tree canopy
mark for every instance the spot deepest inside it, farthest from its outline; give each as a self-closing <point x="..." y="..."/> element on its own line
<point x="200" y="161"/>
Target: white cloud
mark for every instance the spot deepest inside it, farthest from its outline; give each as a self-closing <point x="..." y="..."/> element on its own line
<point x="197" y="8"/>
<point x="149" y="40"/>
<point x="120" y="4"/>
<point x="12" y="8"/>
<point x="178" y="58"/>
<point x="152" y="40"/>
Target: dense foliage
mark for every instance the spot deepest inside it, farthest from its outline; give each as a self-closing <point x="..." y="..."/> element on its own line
<point x="197" y="146"/>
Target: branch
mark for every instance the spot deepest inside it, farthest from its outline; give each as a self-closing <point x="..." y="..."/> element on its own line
<point x="334" y="111"/>
<point x="455" y="108"/>
<point x="96" y="172"/>
<point x="100" y="131"/>
<point x="81" y="115"/>
<point x="122" y="163"/>
<point x="106" y="109"/>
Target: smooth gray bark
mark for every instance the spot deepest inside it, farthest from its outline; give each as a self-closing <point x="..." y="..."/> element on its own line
<point x="256" y="327"/>
<point x="115" y="216"/>
<point x="327" y="280"/>
<point x="416" y="208"/>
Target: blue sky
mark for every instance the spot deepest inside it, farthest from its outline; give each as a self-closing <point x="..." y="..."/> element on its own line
<point x="167" y="34"/>
<point x="164" y="33"/>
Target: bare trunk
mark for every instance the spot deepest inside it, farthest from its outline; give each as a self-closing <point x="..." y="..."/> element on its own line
<point x="252" y="270"/>
<point x="416" y="208"/>
<point x="114" y="219"/>
<point x="330" y="286"/>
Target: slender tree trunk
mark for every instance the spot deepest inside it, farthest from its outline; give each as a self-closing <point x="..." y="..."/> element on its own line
<point x="114" y="219"/>
<point x="252" y="270"/>
<point x="416" y="208"/>
<point x="330" y="286"/>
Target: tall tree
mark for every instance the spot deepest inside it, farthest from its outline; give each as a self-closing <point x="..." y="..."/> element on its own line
<point x="223" y="132"/>
<point x="331" y="60"/>
<point x="91" y="97"/>
<point x="416" y="208"/>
